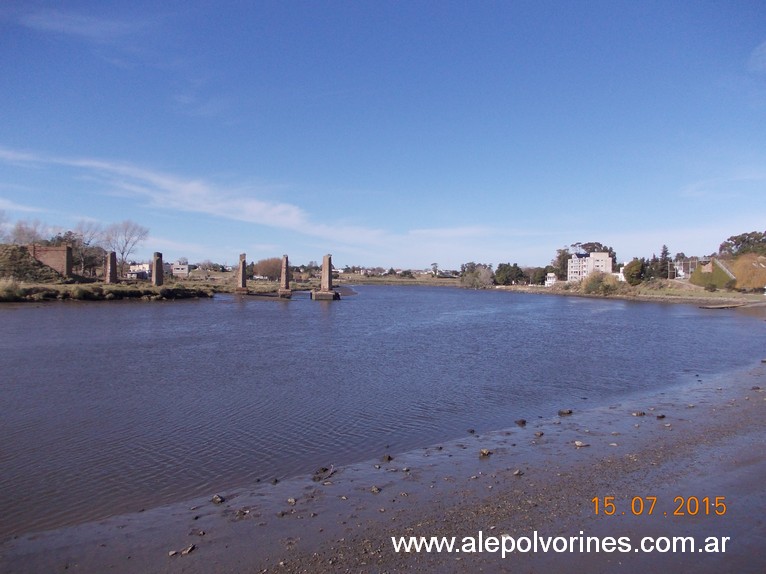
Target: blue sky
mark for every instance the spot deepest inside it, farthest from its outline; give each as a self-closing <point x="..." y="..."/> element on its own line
<point x="388" y="133"/>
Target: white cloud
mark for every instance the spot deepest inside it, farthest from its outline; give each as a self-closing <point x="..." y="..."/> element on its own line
<point x="734" y="186"/>
<point x="13" y="206"/>
<point x="83" y="26"/>
<point x="165" y="191"/>
<point x="353" y="244"/>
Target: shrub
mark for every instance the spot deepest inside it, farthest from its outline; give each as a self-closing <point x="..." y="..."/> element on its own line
<point x="9" y="290"/>
<point x="598" y="283"/>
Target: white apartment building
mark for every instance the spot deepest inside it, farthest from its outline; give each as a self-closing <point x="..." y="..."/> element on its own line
<point x="583" y="264"/>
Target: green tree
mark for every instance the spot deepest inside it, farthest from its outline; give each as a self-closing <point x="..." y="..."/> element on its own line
<point x="537" y="275"/>
<point x="476" y="275"/>
<point x="663" y="266"/>
<point x="560" y="263"/>
<point x="634" y="271"/>
<point x="651" y="267"/>
<point x="508" y="274"/>
<point x="752" y="242"/>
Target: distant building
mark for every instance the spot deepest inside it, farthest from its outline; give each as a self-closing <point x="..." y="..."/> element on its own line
<point x="144" y="270"/>
<point x="583" y="264"/>
<point x="550" y="279"/>
<point x="140" y="268"/>
<point x="179" y="270"/>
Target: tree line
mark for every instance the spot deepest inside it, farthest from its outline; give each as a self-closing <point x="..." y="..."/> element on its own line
<point x="90" y="240"/>
<point x="482" y="275"/>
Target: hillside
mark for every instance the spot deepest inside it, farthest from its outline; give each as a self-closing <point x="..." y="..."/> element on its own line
<point x="16" y="263"/>
<point x="750" y="271"/>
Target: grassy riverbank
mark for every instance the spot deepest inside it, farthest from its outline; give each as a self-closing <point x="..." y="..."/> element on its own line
<point x="12" y="291"/>
<point x="663" y="291"/>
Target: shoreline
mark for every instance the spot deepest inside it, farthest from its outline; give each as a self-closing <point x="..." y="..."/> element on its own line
<point x="709" y="301"/>
<point x="97" y="291"/>
<point x="345" y="520"/>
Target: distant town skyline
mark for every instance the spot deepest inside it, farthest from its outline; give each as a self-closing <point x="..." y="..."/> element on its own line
<point x="390" y="135"/>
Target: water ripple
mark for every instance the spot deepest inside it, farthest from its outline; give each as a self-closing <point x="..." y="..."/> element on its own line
<point x="128" y="406"/>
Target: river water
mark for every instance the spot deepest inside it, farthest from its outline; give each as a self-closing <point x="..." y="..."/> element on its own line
<point x="112" y="407"/>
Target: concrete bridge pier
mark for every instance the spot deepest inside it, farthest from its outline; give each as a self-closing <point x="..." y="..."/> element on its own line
<point x="158" y="271"/>
<point x="284" y="290"/>
<point x="325" y="292"/>
<point x="110" y="270"/>
<point x="242" y="273"/>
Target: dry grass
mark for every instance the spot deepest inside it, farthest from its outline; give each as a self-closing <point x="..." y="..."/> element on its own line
<point x="750" y="270"/>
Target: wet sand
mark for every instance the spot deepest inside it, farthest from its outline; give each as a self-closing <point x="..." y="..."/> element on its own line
<point x="710" y="442"/>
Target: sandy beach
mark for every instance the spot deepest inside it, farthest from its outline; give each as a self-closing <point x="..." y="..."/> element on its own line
<point x="703" y="439"/>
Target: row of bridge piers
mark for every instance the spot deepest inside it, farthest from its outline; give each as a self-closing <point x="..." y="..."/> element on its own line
<point x="324" y="293"/>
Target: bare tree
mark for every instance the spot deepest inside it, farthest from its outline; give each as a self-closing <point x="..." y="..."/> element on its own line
<point x="26" y="232"/>
<point x="123" y="238"/>
<point x="91" y="233"/>
<point x="3" y="223"/>
<point x="88" y="250"/>
<point x="271" y="268"/>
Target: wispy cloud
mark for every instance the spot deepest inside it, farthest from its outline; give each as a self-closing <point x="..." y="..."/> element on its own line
<point x="250" y="204"/>
<point x="727" y="187"/>
<point x="83" y="26"/>
<point x="18" y="157"/>
<point x="6" y="204"/>
<point x="166" y="191"/>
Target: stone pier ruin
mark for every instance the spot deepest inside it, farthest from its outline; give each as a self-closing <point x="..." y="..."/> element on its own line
<point x="325" y="292"/>
<point x="284" y="290"/>
<point x="242" y="273"/>
<point x="59" y="258"/>
<point x="158" y="271"/>
<point x="110" y="269"/>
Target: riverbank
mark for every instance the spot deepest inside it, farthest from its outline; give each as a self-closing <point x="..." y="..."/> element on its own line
<point x="16" y="292"/>
<point x="659" y="292"/>
<point x="19" y="292"/>
<point x="700" y="439"/>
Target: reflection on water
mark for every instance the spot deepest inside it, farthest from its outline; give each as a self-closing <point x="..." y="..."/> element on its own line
<point x="113" y="407"/>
